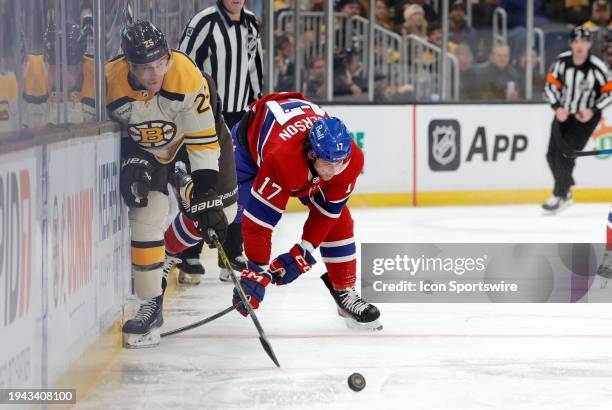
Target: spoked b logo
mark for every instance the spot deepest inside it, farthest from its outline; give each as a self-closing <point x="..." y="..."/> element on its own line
<point x="444" y="145"/>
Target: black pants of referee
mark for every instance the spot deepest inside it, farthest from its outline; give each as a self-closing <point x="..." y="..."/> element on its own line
<point x="571" y="134"/>
<point x="233" y="241"/>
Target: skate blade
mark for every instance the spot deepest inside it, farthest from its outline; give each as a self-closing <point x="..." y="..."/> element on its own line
<point x="353" y="324"/>
<point x="374" y="326"/>
<point x="189" y="279"/>
<point x="225" y="275"/>
<point x="604" y="272"/>
<point x="134" y="341"/>
<point x="547" y="212"/>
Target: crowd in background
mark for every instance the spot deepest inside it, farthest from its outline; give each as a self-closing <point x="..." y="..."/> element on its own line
<point x="489" y="70"/>
<point x="32" y="88"/>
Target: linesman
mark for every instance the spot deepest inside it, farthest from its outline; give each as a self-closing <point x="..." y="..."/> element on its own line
<point x="224" y="42"/>
<point x="578" y="87"/>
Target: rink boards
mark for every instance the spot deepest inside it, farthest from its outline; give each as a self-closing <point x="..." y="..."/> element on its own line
<point x="465" y="154"/>
<point x="64" y="240"/>
<point x="64" y="265"/>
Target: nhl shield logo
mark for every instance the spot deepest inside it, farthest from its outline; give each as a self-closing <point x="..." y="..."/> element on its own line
<point x="251" y="44"/>
<point x="585" y="86"/>
<point x="444" y="145"/>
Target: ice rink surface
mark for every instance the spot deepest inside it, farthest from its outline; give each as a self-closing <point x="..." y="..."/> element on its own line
<point x="429" y="356"/>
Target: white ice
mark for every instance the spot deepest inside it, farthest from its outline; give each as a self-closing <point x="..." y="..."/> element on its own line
<point x="429" y="356"/>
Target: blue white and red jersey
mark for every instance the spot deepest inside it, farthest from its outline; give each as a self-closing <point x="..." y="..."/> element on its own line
<point x="277" y="129"/>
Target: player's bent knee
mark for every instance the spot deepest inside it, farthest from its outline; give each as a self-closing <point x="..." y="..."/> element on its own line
<point x="147" y="224"/>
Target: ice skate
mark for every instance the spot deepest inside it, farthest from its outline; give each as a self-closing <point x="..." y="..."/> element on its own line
<point x="143" y="330"/>
<point x="190" y="271"/>
<point x="556" y="204"/>
<point x="357" y="313"/>
<point x="238" y="264"/>
<point x="605" y="269"/>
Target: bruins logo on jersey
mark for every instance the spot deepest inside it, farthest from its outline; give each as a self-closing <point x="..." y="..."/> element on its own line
<point x="153" y="134"/>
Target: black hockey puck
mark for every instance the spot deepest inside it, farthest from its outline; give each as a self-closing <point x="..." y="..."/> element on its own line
<point x="356" y="382"/>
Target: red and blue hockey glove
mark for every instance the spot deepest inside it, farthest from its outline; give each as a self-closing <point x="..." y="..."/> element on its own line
<point x="288" y="266"/>
<point x="254" y="281"/>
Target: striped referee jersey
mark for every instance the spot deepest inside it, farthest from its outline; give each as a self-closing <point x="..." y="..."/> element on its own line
<point x="578" y="87"/>
<point x="229" y="51"/>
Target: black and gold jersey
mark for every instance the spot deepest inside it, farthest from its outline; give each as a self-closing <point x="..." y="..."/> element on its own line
<point x="8" y="102"/>
<point x="41" y="97"/>
<point x="160" y="123"/>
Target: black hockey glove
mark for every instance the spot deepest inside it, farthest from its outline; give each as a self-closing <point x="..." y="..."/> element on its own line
<point x="206" y="210"/>
<point x="135" y="181"/>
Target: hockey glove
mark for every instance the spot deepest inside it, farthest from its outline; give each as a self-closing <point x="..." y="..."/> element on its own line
<point x="288" y="266"/>
<point x="254" y="281"/>
<point x="206" y="210"/>
<point x="135" y="181"/>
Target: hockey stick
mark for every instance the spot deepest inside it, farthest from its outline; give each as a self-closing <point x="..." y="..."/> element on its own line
<point x="243" y="297"/>
<point x="569" y="152"/>
<point x="575" y="154"/>
<point x="202" y="322"/>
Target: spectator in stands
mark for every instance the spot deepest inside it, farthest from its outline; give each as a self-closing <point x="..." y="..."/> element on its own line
<point x="346" y="79"/>
<point x="385" y="94"/>
<point x="600" y="23"/>
<point x="467" y="73"/>
<point x="284" y="45"/>
<point x="600" y="16"/>
<point x="383" y="14"/>
<point x="315" y="82"/>
<point x="497" y="79"/>
<point x="399" y="6"/>
<point x="317" y="5"/>
<point x="434" y="36"/>
<point x="414" y="21"/>
<point x="349" y="7"/>
<point x="460" y="32"/>
<point x="538" y="80"/>
<point x="569" y="12"/>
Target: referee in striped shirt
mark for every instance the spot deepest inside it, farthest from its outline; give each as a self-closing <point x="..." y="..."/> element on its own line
<point x="224" y="42"/>
<point x="578" y="87"/>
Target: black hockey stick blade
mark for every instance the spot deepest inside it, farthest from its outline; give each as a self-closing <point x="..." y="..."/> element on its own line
<point x="202" y="322"/>
<point x="575" y="154"/>
<point x="268" y="348"/>
<point x="243" y="297"/>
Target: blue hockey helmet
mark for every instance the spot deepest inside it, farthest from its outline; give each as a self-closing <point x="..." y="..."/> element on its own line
<point x="330" y="139"/>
